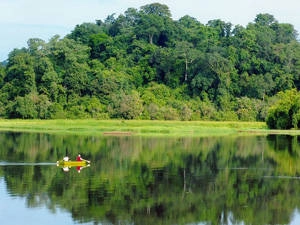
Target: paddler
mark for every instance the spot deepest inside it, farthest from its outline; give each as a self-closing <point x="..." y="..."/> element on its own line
<point x="79" y="158"/>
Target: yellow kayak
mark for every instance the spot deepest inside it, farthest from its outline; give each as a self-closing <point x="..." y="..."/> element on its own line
<point x="72" y="163"/>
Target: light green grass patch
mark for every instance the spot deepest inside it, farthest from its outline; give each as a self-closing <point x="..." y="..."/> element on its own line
<point x="137" y="127"/>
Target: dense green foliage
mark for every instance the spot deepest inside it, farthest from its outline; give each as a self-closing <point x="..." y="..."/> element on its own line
<point x="285" y="114"/>
<point x="144" y="65"/>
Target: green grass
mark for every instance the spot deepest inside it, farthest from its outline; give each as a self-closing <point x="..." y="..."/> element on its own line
<point x="138" y="127"/>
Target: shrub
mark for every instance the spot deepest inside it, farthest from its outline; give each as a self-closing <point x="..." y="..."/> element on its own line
<point x="284" y="114"/>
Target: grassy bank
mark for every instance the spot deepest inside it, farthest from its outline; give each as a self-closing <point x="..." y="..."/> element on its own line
<point x="134" y="127"/>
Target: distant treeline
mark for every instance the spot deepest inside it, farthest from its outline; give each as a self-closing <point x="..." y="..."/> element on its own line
<point x="144" y="65"/>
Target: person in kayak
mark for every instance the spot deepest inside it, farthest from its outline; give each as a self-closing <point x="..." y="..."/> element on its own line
<point x="79" y="158"/>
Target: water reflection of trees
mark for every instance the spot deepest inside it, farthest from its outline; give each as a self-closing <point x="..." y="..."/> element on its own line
<point x="160" y="181"/>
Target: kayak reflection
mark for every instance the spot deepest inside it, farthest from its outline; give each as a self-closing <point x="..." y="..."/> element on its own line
<point x="68" y="168"/>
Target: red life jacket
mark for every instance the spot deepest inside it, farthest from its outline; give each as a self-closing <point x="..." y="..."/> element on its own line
<point x="78" y="158"/>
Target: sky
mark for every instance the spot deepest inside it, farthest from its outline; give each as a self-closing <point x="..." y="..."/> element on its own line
<point x="24" y="19"/>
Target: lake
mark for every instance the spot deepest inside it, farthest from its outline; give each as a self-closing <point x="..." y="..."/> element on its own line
<point x="146" y="180"/>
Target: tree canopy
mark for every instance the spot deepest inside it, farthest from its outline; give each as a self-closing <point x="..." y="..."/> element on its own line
<point x="144" y="65"/>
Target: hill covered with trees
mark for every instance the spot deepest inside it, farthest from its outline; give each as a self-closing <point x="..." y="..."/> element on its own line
<point x="144" y="65"/>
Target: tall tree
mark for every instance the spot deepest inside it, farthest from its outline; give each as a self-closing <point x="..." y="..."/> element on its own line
<point x="152" y="21"/>
<point x="265" y="19"/>
<point x="20" y="73"/>
<point x="71" y="58"/>
<point x="156" y="9"/>
<point x="83" y="32"/>
<point x="187" y="51"/>
<point x="222" y="28"/>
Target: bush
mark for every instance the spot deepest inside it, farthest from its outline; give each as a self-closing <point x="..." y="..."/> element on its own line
<point x="154" y="112"/>
<point x="284" y="114"/>
<point x="170" y="113"/>
<point x="185" y="113"/>
<point x="126" y="106"/>
<point x="26" y="107"/>
<point x="247" y="109"/>
<point x="57" y="111"/>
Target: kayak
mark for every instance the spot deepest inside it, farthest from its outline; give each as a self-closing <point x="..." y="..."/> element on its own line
<point x="72" y="163"/>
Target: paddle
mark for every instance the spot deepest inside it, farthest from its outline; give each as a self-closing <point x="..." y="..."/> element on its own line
<point x="85" y="160"/>
<point x="79" y="157"/>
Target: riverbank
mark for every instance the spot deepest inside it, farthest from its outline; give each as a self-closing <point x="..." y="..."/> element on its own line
<point x="138" y="127"/>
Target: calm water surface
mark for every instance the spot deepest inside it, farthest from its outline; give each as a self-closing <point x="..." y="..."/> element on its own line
<point x="134" y="180"/>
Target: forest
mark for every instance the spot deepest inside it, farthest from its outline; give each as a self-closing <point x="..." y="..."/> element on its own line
<point x="142" y="64"/>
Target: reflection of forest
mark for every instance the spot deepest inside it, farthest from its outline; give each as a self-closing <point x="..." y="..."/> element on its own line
<point x="160" y="181"/>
